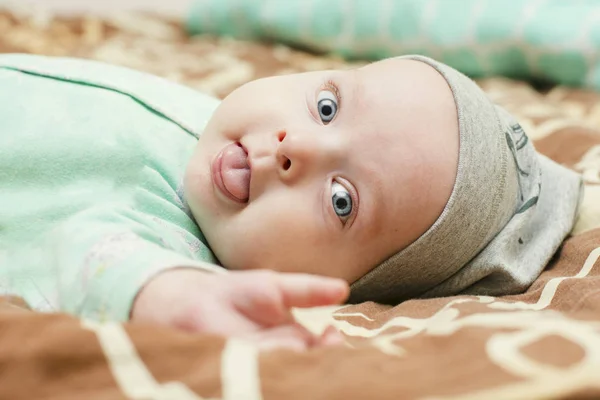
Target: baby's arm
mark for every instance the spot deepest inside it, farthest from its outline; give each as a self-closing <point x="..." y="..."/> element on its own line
<point x="114" y="264"/>
<point x="104" y="255"/>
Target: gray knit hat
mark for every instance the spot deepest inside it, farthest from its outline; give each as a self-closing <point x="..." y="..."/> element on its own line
<point x="508" y="213"/>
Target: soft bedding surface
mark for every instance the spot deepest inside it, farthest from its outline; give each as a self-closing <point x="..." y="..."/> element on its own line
<point x="544" y="343"/>
<point x="549" y="40"/>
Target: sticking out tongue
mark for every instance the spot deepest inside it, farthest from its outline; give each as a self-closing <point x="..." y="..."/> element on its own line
<point x="235" y="171"/>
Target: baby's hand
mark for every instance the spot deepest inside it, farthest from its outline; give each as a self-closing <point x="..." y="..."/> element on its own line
<point x="254" y="305"/>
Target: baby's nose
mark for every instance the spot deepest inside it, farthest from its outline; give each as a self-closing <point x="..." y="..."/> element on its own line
<point x="299" y="154"/>
<point x="283" y="161"/>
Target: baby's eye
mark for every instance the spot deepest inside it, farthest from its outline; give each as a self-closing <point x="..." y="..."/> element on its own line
<point x="342" y="201"/>
<point x="327" y="104"/>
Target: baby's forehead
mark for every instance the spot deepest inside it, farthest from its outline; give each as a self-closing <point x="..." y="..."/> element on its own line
<point x="407" y="77"/>
<point x="399" y="92"/>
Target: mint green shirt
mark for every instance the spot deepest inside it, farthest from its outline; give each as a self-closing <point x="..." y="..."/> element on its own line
<point x="92" y="159"/>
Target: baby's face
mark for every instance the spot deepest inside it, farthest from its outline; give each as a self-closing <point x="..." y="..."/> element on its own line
<point x="325" y="172"/>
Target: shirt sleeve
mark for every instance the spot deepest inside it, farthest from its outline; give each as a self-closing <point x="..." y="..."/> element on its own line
<point x="103" y="256"/>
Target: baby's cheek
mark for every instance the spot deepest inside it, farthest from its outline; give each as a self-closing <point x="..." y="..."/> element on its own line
<point x="236" y="249"/>
<point x="249" y="248"/>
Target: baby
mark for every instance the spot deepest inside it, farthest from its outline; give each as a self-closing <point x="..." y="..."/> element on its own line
<point x="400" y="179"/>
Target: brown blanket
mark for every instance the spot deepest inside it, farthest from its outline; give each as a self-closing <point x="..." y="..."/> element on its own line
<point x="544" y="343"/>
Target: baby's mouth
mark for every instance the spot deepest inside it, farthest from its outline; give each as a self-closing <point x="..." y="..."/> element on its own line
<point x="231" y="172"/>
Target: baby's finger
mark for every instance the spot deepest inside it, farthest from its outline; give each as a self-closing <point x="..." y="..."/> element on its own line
<point x="262" y="302"/>
<point x="292" y="337"/>
<point x="267" y="297"/>
<point x="300" y="290"/>
<point x="330" y="337"/>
